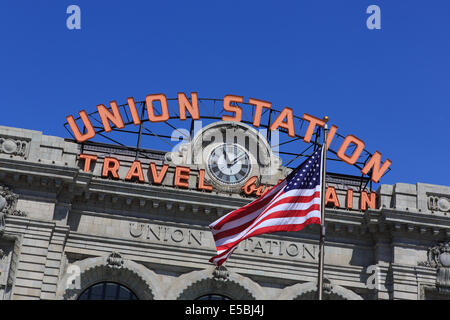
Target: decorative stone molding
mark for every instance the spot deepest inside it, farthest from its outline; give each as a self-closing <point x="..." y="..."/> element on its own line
<point x="221" y="273"/>
<point x="115" y="260"/>
<point x="439" y="255"/>
<point x="139" y="279"/>
<point x="9" y="256"/>
<point x="308" y="291"/>
<point x="424" y="264"/>
<point x="327" y="286"/>
<point x="195" y="284"/>
<point x="437" y="203"/>
<point x="13" y="146"/>
<point x="439" y="258"/>
<point x="3" y="268"/>
<point x="8" y="205"/>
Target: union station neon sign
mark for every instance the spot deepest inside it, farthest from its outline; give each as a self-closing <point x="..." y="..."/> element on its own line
<point x="283" y="120"/>
<point x="349" y="150"/>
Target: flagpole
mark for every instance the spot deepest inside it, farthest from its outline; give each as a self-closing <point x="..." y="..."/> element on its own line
<point x="322" y="212"/>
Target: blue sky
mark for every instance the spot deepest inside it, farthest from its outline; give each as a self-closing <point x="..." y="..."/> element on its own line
<point x="388" y="87"/>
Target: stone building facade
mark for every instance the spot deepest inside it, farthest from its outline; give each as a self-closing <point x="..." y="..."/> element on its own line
<point x="64" y="229"/>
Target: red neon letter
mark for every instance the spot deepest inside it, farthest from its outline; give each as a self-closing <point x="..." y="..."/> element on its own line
<point x="236" y="109"/>
<point x="158" y="178"/>
<point x="331" y="196"/>
<point x="201" y="181"/>
<point x="181" y="178"/>
<point x="133" y="110"/>
<point x="350" y="199"/>
<point x="260" y="104"/>
<point x="107" y="116"/>
<point x="87" y="161"/>
<point x="135" y="172"/>
<point x="90" y="132"/>
<point x="110" y="165"/>
<point x="359" y="148"/>
<point x="374" y="164"/>
<point x="288" y="124"/>
<point x="313" y="122"/>
<point x="164" y="116"/>
<point x="366" y="201"/>
<point x="183" y="104"/>
<point x="330" y="135"/>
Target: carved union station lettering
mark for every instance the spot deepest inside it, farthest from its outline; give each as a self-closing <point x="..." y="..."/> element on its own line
<point x="164" y="234"/>
<point x="196" y="238"/>
<point x="279" y="248"/>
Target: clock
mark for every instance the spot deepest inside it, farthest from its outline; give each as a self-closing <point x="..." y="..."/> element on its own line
<point x="229" y="164"/>
<point x="230" y="153"/>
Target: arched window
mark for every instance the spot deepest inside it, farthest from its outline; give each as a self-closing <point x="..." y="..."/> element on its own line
<point x="107" y="291"/>
<point x="213" y="297"/>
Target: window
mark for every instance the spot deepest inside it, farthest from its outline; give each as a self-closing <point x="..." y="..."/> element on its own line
<point x="107" y="291"/>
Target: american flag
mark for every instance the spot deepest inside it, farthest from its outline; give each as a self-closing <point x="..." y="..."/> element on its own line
<point x="290" y="205"/>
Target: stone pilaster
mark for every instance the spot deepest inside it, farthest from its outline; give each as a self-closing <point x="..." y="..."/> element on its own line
<point x="53" y="262"/>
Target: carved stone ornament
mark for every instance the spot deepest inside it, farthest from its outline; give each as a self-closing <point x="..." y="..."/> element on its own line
<point x="13" y="146"/>
<point x="221" y="273"/>
<point x="436" y="203"/>
<point x="327" y="286"/>
<point x="8" y="203"/>
<point x="115" y="260"/>
<point x="439" y="257"/>
<point x="423" y="264"/>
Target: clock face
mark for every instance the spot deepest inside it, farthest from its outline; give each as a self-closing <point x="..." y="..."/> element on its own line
<point x="229" y="163"/>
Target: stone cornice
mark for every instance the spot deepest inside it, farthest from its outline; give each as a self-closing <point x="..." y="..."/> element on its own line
<point x="28" y="168"/>
<point x="70" y="180"/>
<point x="164" y="193"/>
<point x="405" y="220"/>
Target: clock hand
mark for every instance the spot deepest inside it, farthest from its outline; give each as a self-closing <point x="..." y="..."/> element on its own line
<point x="225" y="154"/>
<point x="230" y="161"/>
<point x="237" y="158"/>
<point x="227" y="157"/>
<point x="233" y="160"/>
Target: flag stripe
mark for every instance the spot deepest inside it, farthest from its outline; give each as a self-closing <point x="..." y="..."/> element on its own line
<point x="305" y="196"/>
<point x="287" y="202"/>
<point x="224" y="242"/>
<point x="223" y="256"/>
<point x="283" y="208"/>
<point x="251" y="207"/>
<point x="240" y="228"/>
<point x="289" y="206"/>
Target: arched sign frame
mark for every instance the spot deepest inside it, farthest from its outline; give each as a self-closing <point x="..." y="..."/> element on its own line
<point x="211" y="111"/>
